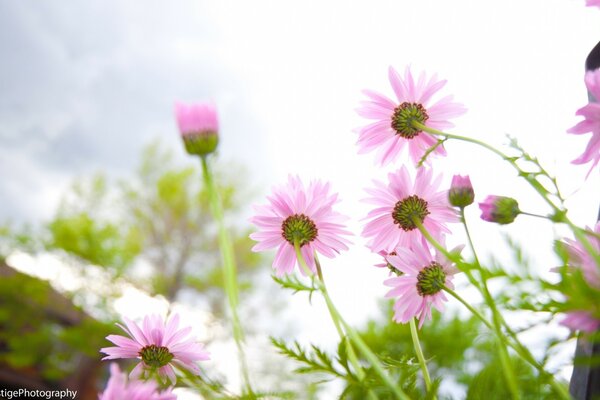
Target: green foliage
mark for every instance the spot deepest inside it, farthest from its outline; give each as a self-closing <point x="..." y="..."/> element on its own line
<point x="457" y="349"/>
<point x="42" y="331"/>
<point x="100" y="243"/>
<point x="160" y="216"/>
<point x="296" y="285"/>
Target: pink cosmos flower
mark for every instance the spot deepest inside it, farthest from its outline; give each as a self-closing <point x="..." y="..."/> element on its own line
<point x="296" y="213"/>
<point x="401" y="202"/>
<point x="579" y="257"/>
<point x="118" y="388"/>
<point x="499" y="209"/>
<point x="199" y="127"/>
<point x="421" y="283"/>
<point x="393" y="127"/>
<point x="159" y="346"/>
<point x="581" y="321"/>
<point x="461" y="193"/>
<point x="591" y="122"/>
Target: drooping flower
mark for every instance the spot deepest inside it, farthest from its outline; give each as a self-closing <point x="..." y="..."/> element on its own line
<point x="159" y="345"/>
<point x="118" y="388"/>
<point x="302" y="215"/>
<point x="591" y="122"/>
<point x="420" y="286"/>
<point x="199" y="127"/>
<point x="393" y="127"/>
<point x="386" y="264"/>
<point x="580" y="258"/>
<point x="499" y="209"/>
<point x="400" y="204"/>
<point x="461" y="193"/>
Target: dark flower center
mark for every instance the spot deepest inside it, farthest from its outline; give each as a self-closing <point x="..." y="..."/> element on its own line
<point x="299" y="228"/>
<point x="403" y="117"/>
<point x="431" y="279"/>
<point x="409" y="209"/>
<point x="155" y="356"/>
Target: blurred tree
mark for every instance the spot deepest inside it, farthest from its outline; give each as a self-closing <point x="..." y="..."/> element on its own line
<point x="159" y="220"/>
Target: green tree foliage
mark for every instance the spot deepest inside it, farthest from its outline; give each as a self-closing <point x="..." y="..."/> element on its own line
<point x="42" y="332"/>
<point x="160" y="216"/>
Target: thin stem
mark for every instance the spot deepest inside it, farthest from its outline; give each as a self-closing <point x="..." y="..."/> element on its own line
<point x="522" y="351"/>
<point x="534" y="183"/>
<point x="535" y="215"/>
<point x="517" y="346"/>
<point x="509" y="373"/>
<point x="342" y="326"/>
<point x="560" y="213"/>
<point x="417" y="345"/>
<point x="229" y="270"/>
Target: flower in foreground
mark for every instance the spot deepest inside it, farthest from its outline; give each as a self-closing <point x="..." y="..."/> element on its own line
<point x="118" y="388"/>
<point x="401" y="204"/>
<point x="199" y="127"/>
<point x="301" y="215"/>
<point x="461" y="193"/>
<point x="159" y="345"/>
<point x="591" y="122"/>
<point x="421" y="284"/>
<point x="393" y="127"/>
<point x="499" y="209"/>
<point x="580" y="258"/>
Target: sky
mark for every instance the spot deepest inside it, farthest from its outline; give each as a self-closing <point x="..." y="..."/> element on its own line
<point x="85" y="85"/>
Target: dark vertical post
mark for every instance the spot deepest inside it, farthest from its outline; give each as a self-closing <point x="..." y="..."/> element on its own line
<point x="585" y="381"/>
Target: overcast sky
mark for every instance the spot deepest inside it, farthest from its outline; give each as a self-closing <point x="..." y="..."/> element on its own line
<point x="85" y="85"/>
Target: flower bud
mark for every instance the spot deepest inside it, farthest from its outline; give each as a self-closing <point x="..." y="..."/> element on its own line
<point x="461" y="192"/>
<point x="199" y="127"/>
<point x="499" y="209"/>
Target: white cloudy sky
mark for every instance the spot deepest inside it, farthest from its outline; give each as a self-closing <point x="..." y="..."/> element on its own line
<point x="84" y="85"/>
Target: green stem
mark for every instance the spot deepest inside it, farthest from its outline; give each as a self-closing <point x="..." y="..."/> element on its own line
<point x="335" y="317"/>
<point x="509" y="373"/>
<point x="534" y="215"/>
<point x="532" y="181"/>
<point x="517" y="346"/>
<point x="229" y="270"/>
<point x="559" y="213"/>
<point x="342" y="326"/>
<point x="417" y="345"/>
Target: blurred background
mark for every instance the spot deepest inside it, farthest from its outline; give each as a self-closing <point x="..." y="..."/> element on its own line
<point x="102" y="215"/>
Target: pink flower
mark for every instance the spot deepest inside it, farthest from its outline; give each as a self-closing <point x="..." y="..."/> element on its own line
<point x="118" y="388"/>
<point x="581" y="321"/>
<point x="580" y="257"/>
<point x="159" y="345"/>
<point x="499" y="209"/>
<point x="302" y="215"/>
<point x="591" y="122"/>
<point x="393" y="127"/>
<point x="199" y="127"/>
<point x="400" y="203"/>
<point x="421" y="284"/>
<point x="591" y="3"/>
<point x="461" y="193"/>
<point x="386" y="264"/>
